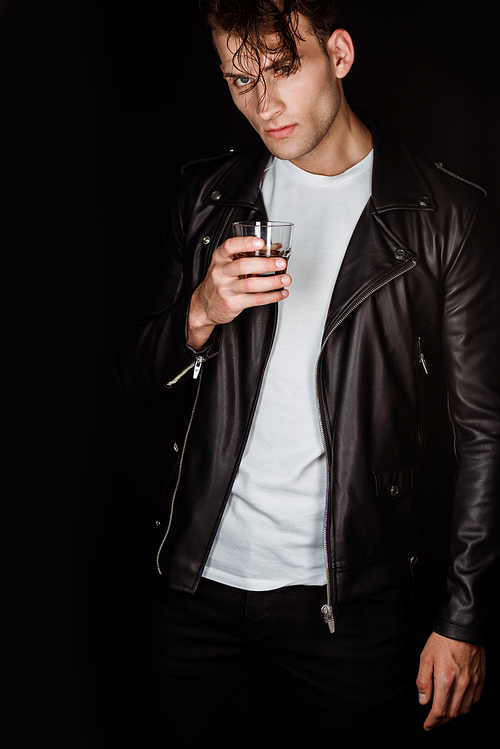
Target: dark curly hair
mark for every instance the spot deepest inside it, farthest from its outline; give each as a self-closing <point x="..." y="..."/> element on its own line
<point x="269" y="27"/>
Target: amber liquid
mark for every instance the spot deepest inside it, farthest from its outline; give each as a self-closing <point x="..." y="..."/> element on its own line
<point x="274" y="251"/>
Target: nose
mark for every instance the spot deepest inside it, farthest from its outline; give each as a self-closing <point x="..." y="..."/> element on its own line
<point x="268" y="103"/>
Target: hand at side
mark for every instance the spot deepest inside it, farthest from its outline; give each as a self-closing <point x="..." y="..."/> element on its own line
<point x="452" y="673"/>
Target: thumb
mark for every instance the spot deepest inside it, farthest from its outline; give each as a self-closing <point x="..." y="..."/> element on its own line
<point x="424" y="685"/>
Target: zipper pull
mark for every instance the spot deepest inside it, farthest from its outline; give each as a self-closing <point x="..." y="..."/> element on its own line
<point x="422" y="361"/>
<point x="327" y="612"/>
<point x="197" y="366"/>
<point x="421" y="357"/>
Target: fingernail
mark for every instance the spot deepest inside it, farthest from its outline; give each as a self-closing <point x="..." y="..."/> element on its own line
<point x="257" y="243"/>
<point x="280" y="263"/>
<point x="421" y="698"/>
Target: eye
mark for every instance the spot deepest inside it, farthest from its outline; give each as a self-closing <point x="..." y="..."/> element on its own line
<point x="284" y="71"/>
<point x="242" y="82"/>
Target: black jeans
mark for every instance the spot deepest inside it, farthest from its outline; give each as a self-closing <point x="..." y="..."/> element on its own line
<point x="226" y="665"/>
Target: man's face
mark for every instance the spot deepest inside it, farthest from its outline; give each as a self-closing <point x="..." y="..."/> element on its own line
<point x="295" y="113"/>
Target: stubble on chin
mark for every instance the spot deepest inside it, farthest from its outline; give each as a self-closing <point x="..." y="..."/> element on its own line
<point x="294" y="148"/>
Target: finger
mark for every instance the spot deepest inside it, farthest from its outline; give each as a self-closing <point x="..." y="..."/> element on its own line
<point x="440" y="702"/>
<point x="469" y="697"/>
<point x="438" y="715"/>
<point x="474" y="690"/>
<point x="237" y="245"/>
<point x="256" y="266"/>
<point x="424" y="682"/>
<point x="266" y="297"/>
<point x="480" y="675"/>
<point x="466" y="689"/>
<point x="261" y="283"/>
<point x="479" y="689"/>
<point x="460" y="701"/>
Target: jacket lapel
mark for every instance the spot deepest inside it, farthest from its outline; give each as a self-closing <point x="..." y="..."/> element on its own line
<point x="373" y="258"/>
<point x="376" y="254"/>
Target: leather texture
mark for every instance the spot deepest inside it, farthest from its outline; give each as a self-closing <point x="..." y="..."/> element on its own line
<point x="419" y="285"/>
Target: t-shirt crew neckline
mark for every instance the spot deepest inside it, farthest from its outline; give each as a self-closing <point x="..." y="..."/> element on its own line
<point x="323" y="180"/>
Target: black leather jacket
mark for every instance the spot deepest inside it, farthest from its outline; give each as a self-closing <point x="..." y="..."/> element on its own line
<point x="407" y="381"/>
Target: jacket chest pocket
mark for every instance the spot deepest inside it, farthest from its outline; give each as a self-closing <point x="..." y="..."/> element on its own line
<point x="395" y="483"/>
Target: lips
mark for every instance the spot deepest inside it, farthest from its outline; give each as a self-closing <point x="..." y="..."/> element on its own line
<point x="280" y="132"/>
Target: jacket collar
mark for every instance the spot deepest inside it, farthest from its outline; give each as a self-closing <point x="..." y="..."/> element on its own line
<point x="397" y="182"/>
<point x="239" y="184"/>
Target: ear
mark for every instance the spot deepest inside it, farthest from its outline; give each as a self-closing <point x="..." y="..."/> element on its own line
<point x="340" y="50"/>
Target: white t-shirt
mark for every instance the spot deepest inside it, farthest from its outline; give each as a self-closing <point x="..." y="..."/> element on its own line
<point x="271" y="534"/>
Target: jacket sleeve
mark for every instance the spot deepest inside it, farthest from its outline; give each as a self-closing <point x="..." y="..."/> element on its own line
<point x="151" y="357"/>
<point x="471" y="325"/>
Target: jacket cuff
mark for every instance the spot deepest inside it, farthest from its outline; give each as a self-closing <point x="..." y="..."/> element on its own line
<point x="211" y="347"/>
<point x="455" y="632"/>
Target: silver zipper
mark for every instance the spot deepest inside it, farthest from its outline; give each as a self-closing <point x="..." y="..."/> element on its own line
<point x="197" y="366"/>
<point x="421" y="357"/>
<point x="180" y="466"/>
<point x="420" y="385"/>
<point x="327" y="610"/>
<point x="178" y="377"/>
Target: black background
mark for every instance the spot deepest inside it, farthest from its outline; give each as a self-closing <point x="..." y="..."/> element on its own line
<point x="104" y="102"/>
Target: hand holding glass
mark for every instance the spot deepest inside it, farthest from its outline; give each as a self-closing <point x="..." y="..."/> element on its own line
<point x="277" y="236"/>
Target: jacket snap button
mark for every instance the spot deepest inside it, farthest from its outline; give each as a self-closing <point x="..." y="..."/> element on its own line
<point x="424" y="200"/>
<point x="216" y="195"/>
<point x="206" y="240"/>
<point x="394" y="491"/>
<point x="399" y="254"/>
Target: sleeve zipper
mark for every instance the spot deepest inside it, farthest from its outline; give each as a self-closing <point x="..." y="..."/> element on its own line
<point x="423" y="363"/>
<point x="421" y="357"/>
<point x="197" y="366"/>
<point x="194" y="365"/>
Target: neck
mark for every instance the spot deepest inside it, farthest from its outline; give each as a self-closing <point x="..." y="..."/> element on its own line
<point x="347" y="142"/>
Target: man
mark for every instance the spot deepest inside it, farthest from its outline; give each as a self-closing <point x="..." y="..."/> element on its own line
<point x="321" y="432"/>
